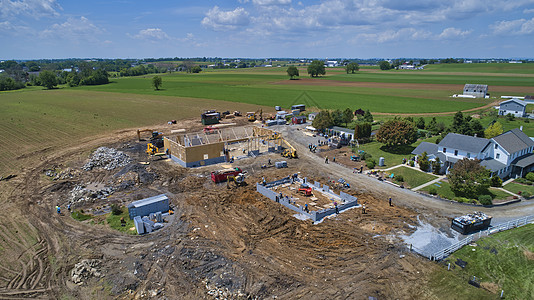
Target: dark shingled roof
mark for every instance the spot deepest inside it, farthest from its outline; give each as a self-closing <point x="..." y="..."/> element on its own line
<point x="524" y="161"/>
<point x="492" y="164"/>
<point x="514" y="140"/>
<point x="427" y="147"/>
<point x="464" y="142"/>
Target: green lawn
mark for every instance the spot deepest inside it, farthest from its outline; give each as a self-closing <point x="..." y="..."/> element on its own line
<point x="392" y="156"/>
<point x="114" y="222"/>
<point x="516" y="187"/>
<point x="412" y="177"/>
<point x="444" y="191"/>
<point x="503" y="260"/>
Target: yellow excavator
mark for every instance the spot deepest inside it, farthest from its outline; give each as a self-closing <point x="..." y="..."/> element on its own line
<point x="253" y="116"/>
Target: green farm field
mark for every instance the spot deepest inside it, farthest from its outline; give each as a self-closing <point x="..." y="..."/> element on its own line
<point x="34" y="119"/>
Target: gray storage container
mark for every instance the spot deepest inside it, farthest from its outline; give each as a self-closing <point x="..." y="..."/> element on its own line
<point x="145" y="207"/>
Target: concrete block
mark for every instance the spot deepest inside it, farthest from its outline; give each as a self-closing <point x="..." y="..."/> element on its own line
<point x="139" y="226"/>
<point x="159" y="217"/>
<point x="317" y="185"/>
<point x="148" y="227"/>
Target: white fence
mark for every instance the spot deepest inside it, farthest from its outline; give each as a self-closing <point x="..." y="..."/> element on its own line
<point x="494" y="229"/>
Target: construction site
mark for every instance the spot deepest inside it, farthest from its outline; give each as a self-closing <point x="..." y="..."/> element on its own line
<point x="280" y="224"/>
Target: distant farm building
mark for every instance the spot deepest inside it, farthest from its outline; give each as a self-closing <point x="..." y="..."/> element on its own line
<point x="513" y="106"/>
<point x="477" y="90"/>
<point x="331" y="63"/>
<point x="298" y="120"/>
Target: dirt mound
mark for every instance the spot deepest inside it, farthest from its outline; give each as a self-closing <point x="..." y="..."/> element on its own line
<point x="529" y="255"/>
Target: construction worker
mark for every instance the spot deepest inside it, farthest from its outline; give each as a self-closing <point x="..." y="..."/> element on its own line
<point x="335" y="205"/>
<point x="306" y="209"/>
<point x="363" y="209"/>
<point x="263" y="181"/>
<point x="269" y="162"/>
<point x="326" y="159"/>
<point x="334" y="159"/>
<point x="58" y="208"/>
<point x="390" y="202"/>
<point x="68" y="207"/>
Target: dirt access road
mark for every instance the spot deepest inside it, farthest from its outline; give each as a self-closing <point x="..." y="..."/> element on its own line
<point x="407" y="198"/>
<point x="226" y="243"/>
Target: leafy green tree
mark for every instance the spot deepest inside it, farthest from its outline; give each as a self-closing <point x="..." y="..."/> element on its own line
<point x="457" y="125"/>
<point x="496" y="181"/>
<point x="196" y="69"/>
<point x="476" y="128"/>
<point x="316" y="68"/>
<point x="424" y="163"/>
<point x="48" y="79"/>
<point x="347" y="116"/>
<point x="352" y="68"/>
<point x="362" y="132"/>
<point x="397" y="132"/>
<point x="469" y="179"/>
<point x="510" y="117"/>
<point x="384" y="65"/>
<point x="368" y="117"/>
<point x="293" y="72"/>
<point x="493" y="130"/>
<point x="337" y="117"/>
<point x="157" y="81"/>
<point x="323" y="120"/>
<point x="436" y="166"/>
<point x="432" y="126"/>
<point x="420" y="123"/>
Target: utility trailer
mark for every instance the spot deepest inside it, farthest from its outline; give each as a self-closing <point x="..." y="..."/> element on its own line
<point x="471" y="222"/>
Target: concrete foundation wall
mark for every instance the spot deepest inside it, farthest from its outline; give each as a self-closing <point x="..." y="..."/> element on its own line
<point x="347" y="201"/>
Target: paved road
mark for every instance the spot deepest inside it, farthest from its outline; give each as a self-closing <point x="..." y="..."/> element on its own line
<point x="405" y="197"/>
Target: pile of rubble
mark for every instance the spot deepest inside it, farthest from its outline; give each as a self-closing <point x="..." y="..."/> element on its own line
<point x="80" y="193"/>
<point x="223" y="293"/>
<point x="107" y="158"/>
<point x="84" y="270"/>
<point x="56" y="174"/>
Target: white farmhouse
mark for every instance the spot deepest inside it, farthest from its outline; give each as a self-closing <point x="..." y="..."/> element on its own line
<point x="513" y="106"/>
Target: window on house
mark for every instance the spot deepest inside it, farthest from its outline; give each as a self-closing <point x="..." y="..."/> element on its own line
<point x="498" y="155"/>
<point x="496" y="146"/>
<point x="468" y="155"/>
<point x="455" y="152"/>
<point x="444" y="150"/>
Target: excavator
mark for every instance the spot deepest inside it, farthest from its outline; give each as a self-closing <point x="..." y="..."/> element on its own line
<point x="154" y="133"/>
<point x="156" y="145"/>
<point x="253" y="116"/>
<point x="238" y="180"/>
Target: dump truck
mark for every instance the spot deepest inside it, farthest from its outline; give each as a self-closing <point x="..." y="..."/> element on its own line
<point x="222" y="175"/>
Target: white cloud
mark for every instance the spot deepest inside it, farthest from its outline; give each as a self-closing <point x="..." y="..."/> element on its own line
<point x="34" y="8"/>
<point x="271" y="2"/>
<point x="451" y="32"/>
<point x="8" y="27"/>
<point x="73" y="29"/>
<point x="528" y="11"/>
<point x="514" y="27"/>
<point x="217" y="19"/>
<point x="151" y="34"/>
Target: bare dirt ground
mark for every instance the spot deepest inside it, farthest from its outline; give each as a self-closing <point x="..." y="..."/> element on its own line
<point x="226" y="243"/>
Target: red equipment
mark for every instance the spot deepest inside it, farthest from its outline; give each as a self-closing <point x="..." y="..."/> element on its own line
<point x="222" y="175"/>
<point x="306" y="191"/>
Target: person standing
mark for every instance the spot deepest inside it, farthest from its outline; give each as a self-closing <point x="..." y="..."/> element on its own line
<point x="390" y="202"/>
<point x="326" y="159"/>
<point x="335" y="205"/>
<point x="363" y="209"/>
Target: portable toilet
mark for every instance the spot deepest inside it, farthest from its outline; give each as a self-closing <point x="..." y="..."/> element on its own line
<point x="381" y="162"/>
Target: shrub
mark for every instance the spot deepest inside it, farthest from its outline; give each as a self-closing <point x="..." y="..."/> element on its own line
<point x="411" y="163"/>
<point x="526" y="194"/>
<point x="433" y="191"/>
<point x="462" y="200"/>
<point x="530" y="176"/>
<point x="523" y="181"/>
<point x="80" y="216"/>
<point x="371" y="163"/>
<point x="496" y="181"/>
<point x="485" y="200"/>
<point x="399" y="178"/>
<point x="116" y="209"/>
<point x="365" y="156"/>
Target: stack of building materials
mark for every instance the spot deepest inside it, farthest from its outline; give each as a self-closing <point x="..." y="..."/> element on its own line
<point x="281" y="121"/>
<point x="280" y="164"/>
<point x="139" y="226"/>
<point x="149" y="225"/>
<point x="271" y="122"/>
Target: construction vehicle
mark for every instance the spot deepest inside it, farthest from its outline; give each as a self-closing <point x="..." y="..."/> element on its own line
<point x="152" y="149"/>
<point x="257" y="115"/>
<point x="222" y="175"/>
<point x="238" y="180"/>
<point x="289" y="151"/>
<point x="305" y="190"/>
<point x="237" y="113"/>
<point x="154" y="133"/>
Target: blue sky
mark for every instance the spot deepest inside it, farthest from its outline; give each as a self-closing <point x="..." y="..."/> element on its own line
<point x="31" y="29"/>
